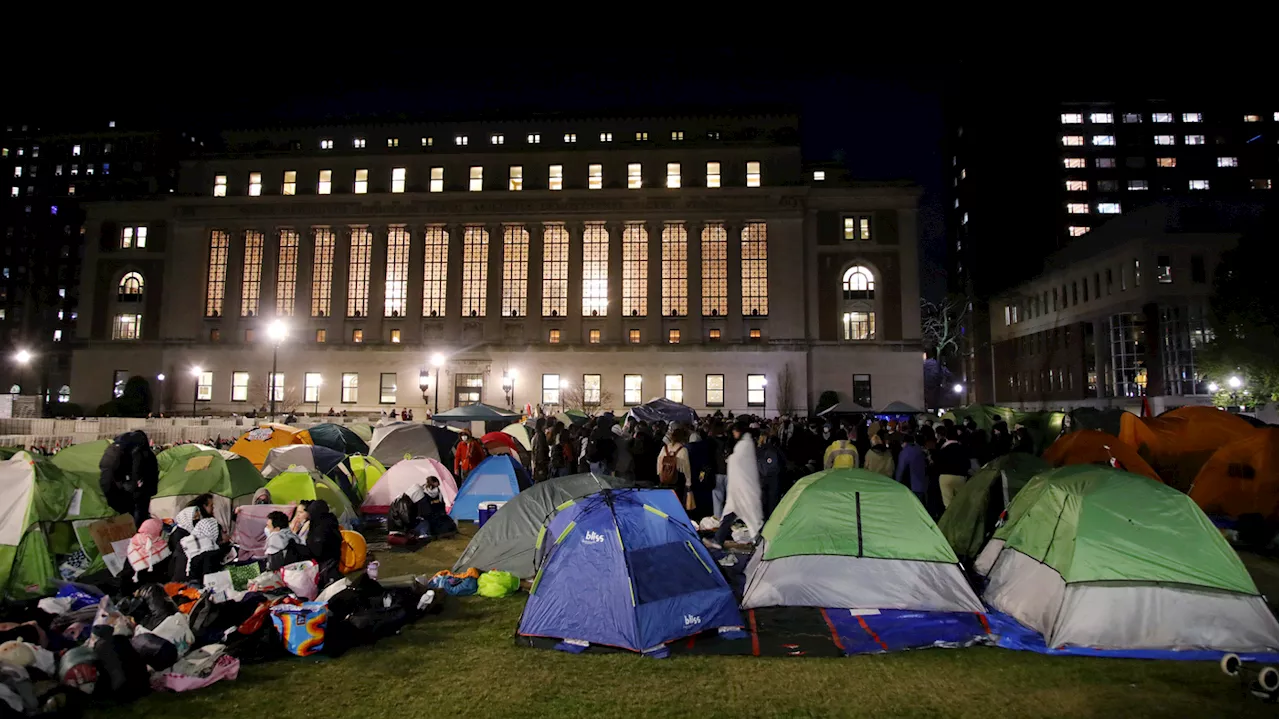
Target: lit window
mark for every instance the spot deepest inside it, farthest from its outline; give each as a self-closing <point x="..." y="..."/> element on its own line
<point x="755" y="270"/>
<point x="357" y="336"/>
<point x="551" y="389"/>
<point x="437" y="179"/>
<point x="1076" y="230"/>
<point x="1260" y="184"/>
<point x="819" y="175"/>
<point x="1165" y="139"/>
<point x="428" y="142"/>
<point x="677" y="135"/>
<point x="553" y="337"/>
<point x="17" y="171"/>
<point x="515" y="178"/>
<point x="357" y="142"/>
<point x="642" y="137"/>
<point x="606" y="137"/>
<point x="497" y="138"/>
<point x="713" y="174"/>
<point x="635" y="270"/>
<point x="1197" y="184"/>
<point x="1191" y="117"/>
<point x="239" y="386"/>
<point x="753" y="334"/>
<point x="326" y="144"/>
<point x="361" y="185"/>
<point x="571" y="137"/>
<point x="127" y="327"/>
<point x="215" y="290"/>
<point x="311" y="387"/>
<point x="397" y="179"/>
<point x="1131" y="117"/>
<point x="1104" y="140"/>
<point x="57" y="170"/>
<point x="595" y="270"/>
<point x="75" y="151"/>
<point x="1078" y="208"/>
<point x="632" y="387"/>
<point x="255" y="184"/>
<point x="673" y="337"/>
<point x="555" y="177"/>
<point x="251" y="276"/>
<point x="595" y="177"/>
<point x="358" y="270"/>
<point x="857" y="227"/>
<point x="1108" y="208"/>
<point x="1077" y="185"/>
<point x="713" y="335"/>
<point x="71" y="190"/>
<point x="673" y="175"/>
<point x="633" y="336"/>
<point x="755" y="390"/>
<point x="287" y="273"/>
<point x="591" y="389"/>
<point x="1073" y="140"/>
<point x="133" y="237"/>
<point x="1252" y="118"/>
<point x="534" y="138"/>
<point x="395" y="302"/>
<point x="715" y="289"/>
<point x="1105" y="162"/>
<point x="475" y="271"/>
<point x="1228" y="162"/>
<point x="964" y="219"/>
<point x="1166" y="162"/>
<point x="1072" y="162"/>
<point x="675" y="270"/>
<point x="219" y="184"/>
<point x="387" y="388"/>
<point x="324" y="183"/>
<point x="204" y="387"/>
<point x="675" y="387"/>
<point x="435" y="275"/>
<point x="635" y="178"/>
<point x="1138" y="185"/>
<point x="75" y="169"/>
<point x="1164" y="270"/>
<point x="555" y="271"/>
<point x="477" y="178"/>
<point x="1103" y="118"/>
<point x="290" y="184"/>
<point x="515" y="270"/>
<point x="1162" y="117"/>
<point x="1072" y="118"/>
<point x="130" y="289"/>
<point x="393" y="142"/>
<point x="753" y="174"/>
<point x="593" y="337"/>
<point x="460" y="140"/>
<point x="1193" y="139"/>
<point x="350" y="387"/>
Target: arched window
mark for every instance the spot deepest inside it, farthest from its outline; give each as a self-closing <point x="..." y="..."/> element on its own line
<point x="64" y="394"/>
<point x="130" y="288"/>
<point x="859" y="306"/>
<point x="859" y="284"/>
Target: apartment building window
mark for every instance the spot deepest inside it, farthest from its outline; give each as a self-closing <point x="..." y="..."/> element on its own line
<point x="239" y="386"/>
<point x="127" y="327"/>
<point x="1166" y="162"/>
<point x="322" y="336"/>
<point x="1228" y="162"/>
<point x="361" y="185"/>
<point x="515" y="270"/>
<point x="713" y="174"/>
<point x="287" y="273"/>
<point x="606" y="137"/>
<point x="395" y="296"/>
<point x="1102" y="118"/>
<point x="515" y="178"/>
<point x="675" y="270"/>
<point x="1104" y="140"/>
<point x="477" y="179"/>
<point x="1197" y="184"/>
<point x="359" y="268"/>
<point x="674" y="384"/>
<point x="1193" y="139"/>
<point x="715" y="289"/>
<point x="595" y="270"/>
<point x="216" y="286"/>
<point x="428" y="142"/>
<point x="591" y="389"/>
<point x="677" y="135"/>
<point x="326" y="144"/>
<point x="350" y="387"/>
<point x="1072" y="163"/>
<point x="753" y="174"/>
<point x="595" y="177"/>
<point x="398" y="175"/>
<point x="1072" y="118"/>
<point x="1076" y="230"/>
<point x="255" y="183"/>
<point x="1077" y="185"/>
<point x="251" y="283"/>
<point x="633" y="336"/>
<point x="1132" y="117"/>
<point x="857" y="227"/>
<point x="1164" y="270"/>
<point x="133" y="238"/>
<point x="1162" y="117"/>
<point x="275" y="390"/>
<point x="819" y="175"/>
<point x="460" y="140"/>
<point x="497" y="138"/>
<point x="673" y="337"/>
<point x="555" y="271"/>
<point x="358" y="143"/>
<point x="534" y="138"/>
<point x="290" y="184"/>
<point x="1191" y="117"/>
<point x="322" y="273"/>
<point x="1165" y="139"/>
<point x="635" y="270"/>
<point x="204" y="387"/>
<point x="219" y="183"/>
<point x="357" y="336"/>
<point x="1107" y="186"/>
<point x="324" y="183"/>
<point x="475" y="270"/>
<point x="393" y="142"/>
<point x="387" y="388"/>
<point x="632" y="389"/>
<point x="713" y="335"/>
<point x="715" y="390"/>
<point x="551" y="389"/>
<point x="555" y="177"/>
<point x="311" y="387"/>
<point x="1138" y="184"/>
<point x="635" y="177"/>
<point x="571" y="137"/>
<point x="642" y="137"/>
<point x="862" y="390"/>
<point x="1072" y="140"/>
<point x="435" y="271"/>
<point x="673" y="175"/>
<point x="1106" y="163"/>
<point x="1253" y="118"/>
<point x="1108" y="208"/>
<point x="755" y="390"/>
<point x="437" y="179"/>
<point x="593" y="337"/>
<point x="553" y="337"/>
<point x="1260" y="184"/>
<point x="755" y="270"/>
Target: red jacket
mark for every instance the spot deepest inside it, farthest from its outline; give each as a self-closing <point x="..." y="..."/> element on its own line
<point x="466" y="456"/>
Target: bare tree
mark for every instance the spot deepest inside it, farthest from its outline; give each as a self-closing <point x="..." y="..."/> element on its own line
<point x="940" y="323"/>
<point x="786" y="390"/>
<point x="290" y="397"/>
<point x="575" y="398"/>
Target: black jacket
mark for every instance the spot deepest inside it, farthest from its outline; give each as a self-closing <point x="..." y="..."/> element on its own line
<point x="324" y="538"/>
<point x="129" y="471"/>
<point x="953" y="458"/>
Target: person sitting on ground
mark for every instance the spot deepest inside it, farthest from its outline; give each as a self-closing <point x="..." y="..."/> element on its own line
<point x="432" y="502"/>
<point x="324" y="541"/>
<point x="205" y="549"/>
<point x="283" y="546"/>
<point x="262" y="496"/>
<point x="148" y="554"/>
<point x="301" y="522"/>
<point x="198" y="508"/>
<point x="879" y="459"/>
<point x="841" y="454"/>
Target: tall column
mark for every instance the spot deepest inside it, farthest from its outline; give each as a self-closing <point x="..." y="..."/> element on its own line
<point x="493" y="333"/>
<point x="453" y="295"/>
<point x="653" y="323"/>
<point x="304" y="274"/>
<point x="573" y="323"/>
<point x="413" y="289"/>
<point x="616" y="326"/>
<point x="341" y="276"/>
<point x="533" y="308"/>
<point x="694" y="273"/>
<point x="270" y="271"/>
<point x="733" y="267"/>
<point x="377" y="286"/>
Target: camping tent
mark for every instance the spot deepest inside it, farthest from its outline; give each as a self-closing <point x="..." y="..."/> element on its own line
<point x="338" y="438"/>
<point x="522" y="434"/>
<point x="853" y="539"/>
<point x="899" y="408"/>
<point x="363" y="430"/>
<point x="315" y="458"/>
<point x="1089" y="446"/>
<point x="231" y="478"/>
<point x="570" y="417"/>
<point x="1179" y="442"/>
<point x="973" y="512"/>
<point x="665" y="410"/>
<point x="1106" y="420"/>
<point x="844" y="408"/>
<point x="294" y="485"/>
<point x="478" y="412"/>
<point x="1096" y="557"/>
<point x="496" y="479"/>
<point x="624" y="568"/>
<point x="1241" y="477"/>
<point x="257" y="442"/>
<point x="365" y="472"/>
<point x="83" y="457"/>
<point x="507" y="541"/>
<point x="179" y="453"/>
<point x="406" y="474"/>
<point x="395" y="441"/>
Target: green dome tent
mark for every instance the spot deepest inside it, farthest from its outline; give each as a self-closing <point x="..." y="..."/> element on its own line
<point x="178" y="454"/>
<point x="849" y="538"/>
<point x="296" y="484"/>
<point x="972" y="514"/>
<point x="1095" y="557"/>
<point x="365" y="472"/>
<point x="231" y="479"/>
<point x="83" y="457"/>
<point x="363" y="430"/>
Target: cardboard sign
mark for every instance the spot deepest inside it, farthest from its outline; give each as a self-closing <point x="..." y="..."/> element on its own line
<point x="106" y="532"/>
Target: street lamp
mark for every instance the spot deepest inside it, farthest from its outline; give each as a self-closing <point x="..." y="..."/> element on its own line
<point x="1235" y="382"/>
<point x="277" y="331"/>
<point x="958" y="388"/>
<point x="23" y="358"/>
<point x="195" y="388"/>
<point x="508" y="385"/>
<point x="437" y="361"/>
<point x="1213" y="386"/>
<point x="160" y="379"/>
<point x="319" y="382"/>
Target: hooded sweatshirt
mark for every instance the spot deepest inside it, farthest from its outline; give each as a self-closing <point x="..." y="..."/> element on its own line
<point x="879" y="459"/>
<point x="743" y="496"/>
<point x="324" y="538"/>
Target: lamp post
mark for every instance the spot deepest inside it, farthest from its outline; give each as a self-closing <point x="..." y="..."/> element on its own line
<point x="764" y="407"/>
<point x="508" y="385"/>
<point x="437" y="361"/>
<point x="195" y="388"/>
<point x="424" y="383"/>
<point x="317" y="399"/>
<point x="277" y="331"/>
<point x="160" y="379"/>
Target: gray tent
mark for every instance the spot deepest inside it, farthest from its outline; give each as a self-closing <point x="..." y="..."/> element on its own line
<point x="844" y="408"/>
<point x="508" y="541"/>
<point x="393" y="441"/>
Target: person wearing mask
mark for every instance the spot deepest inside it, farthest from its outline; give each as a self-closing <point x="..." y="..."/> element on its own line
<point x="879" y="459"/>
<point x="283" y="546"/>
<point x="743" y="501"/>
<point x="772" y="464"/>
<point x="198" y="508"/>
<point x="130" y="475"/>
<point x="841" y="454"/>
<point x="466" y="455"/>
<point x="674" y="471"/>
<point x="913" y="468"/>
<point x="324" y="541"/>
<point x="541" y="451"/>
<point x="953" y="466"/>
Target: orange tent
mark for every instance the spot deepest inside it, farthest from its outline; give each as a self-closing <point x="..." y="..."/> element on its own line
<point x="1179" y="442"/>
<point x="1089" y="446"/>
<point x="1242" y="477"/>
<point x="256" y="443"/>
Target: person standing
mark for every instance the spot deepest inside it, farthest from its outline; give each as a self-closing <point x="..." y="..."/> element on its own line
<point x="841" y="454"/>
<point x="674" y="470"/>
<point x="772" y="463"/>
<point x="878" y="458"/>
<point x="466" y="455"/>
<point x="913" y="468"/>
<point x="541" y="451"/>
<point x="953" y="466"/>
<point x="743" y="500"/>
<point x="130" y="475"/>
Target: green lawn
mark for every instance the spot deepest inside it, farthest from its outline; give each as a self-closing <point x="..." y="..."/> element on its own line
<point x="463" y="663"/>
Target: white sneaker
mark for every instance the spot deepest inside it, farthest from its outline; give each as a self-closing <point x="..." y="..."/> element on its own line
<point x="711" y="544"/>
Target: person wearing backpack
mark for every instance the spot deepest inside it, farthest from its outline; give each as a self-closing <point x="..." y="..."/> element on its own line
<point x="674" y="471"/>
<point x="130" y="475"/>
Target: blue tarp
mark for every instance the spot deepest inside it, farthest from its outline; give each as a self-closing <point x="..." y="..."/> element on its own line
<point x="895" y="630"/>
<point x="665" y="410"/>
<point x="497" y="479"/>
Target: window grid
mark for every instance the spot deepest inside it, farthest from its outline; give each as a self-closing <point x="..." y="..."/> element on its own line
<point x="753" y="174"/>
<point x="595" y="177"/>
<point x="204" y="387"/>
<point x="361" y="184"/>
<point x="715" y="390"/>
<point x="395" y="301"/>
<point x="435" y="271"/>
<point x="290" y="184"/>
<point x="755" y="390"/>
<point x="635" y="270"/>
<point x="324" y="182"/>
<point x="398" y="177"/>
<point x="322" y="273"/>
<point x="591" y="389"/>
<point x="515" y="270"/>
<point x="715" y="270"/>
<point x="673" y="175"/>
<point x="239" y="386"/>
<point x="251" y="286"/>
<point x="675" y="270"/>
<point x="437" y="179"/>
<point x="674" y="384"/>
<point x="387" y="388"/>
<point x="287" y="273"/>
<point x="713" y="174"/>
<point x="216" y="287"/>
<point x="127" y="327"/>
<point x="477" y="178"/>
<point x="755" y="270"/>
<point x="475" y="270"/>
<point x="360" y="263"/>
<point x="632" y="389"/>
<point x="515" y="178"/>
<point x="635" y="176"/>
<point x="311" y="387"/>
<point x="555" y="177"/>
<point x="595" y="270"/>
<point x="350" y="387"/>
<point x="555" y="271"/>
<point x="551" y="389"/>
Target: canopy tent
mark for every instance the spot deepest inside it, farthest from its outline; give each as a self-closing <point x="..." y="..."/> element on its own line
<point x="899" y="408"/>
<point x="296" y="484"/>
<point x="854" y="539"/>
<point x="231" y="479"/>
<point x="1097" y="557"/>
<point x="625" y="568"/>
<point x="522" y="434"/>
<point x="972" y="515"/>
<point x="314" y="458"/>
<point x="1179" y="442"/>
<point x="844" y="408"/>
<point x="1089" y="446"/>
<point x="404" y="475"/>
<point x="508" y="540"/>
<point x="395" y="441"/>
<point x="179" y="453"/>
<point x="496" y="479"/>
<point x="1241" y="477"/>
<point x="365" y="472"/>
<point x="664" y="410"/>
<point x="257" y="442"/>
<point x="83" y="457"/>
<point x="478" y="412"/>
<point x="338" y="438"/>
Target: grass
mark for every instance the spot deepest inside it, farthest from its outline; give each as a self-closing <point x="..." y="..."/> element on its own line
<point x="463" y="663"/>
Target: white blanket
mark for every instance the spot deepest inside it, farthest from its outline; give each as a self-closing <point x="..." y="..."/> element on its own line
<point x="743" y="495"/>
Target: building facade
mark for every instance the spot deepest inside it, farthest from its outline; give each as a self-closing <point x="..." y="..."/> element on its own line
<point x="591" y="262"/>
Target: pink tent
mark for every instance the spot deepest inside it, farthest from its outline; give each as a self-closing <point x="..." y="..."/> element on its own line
<point x="404" y="475"/>
<point x="251" y="519"/>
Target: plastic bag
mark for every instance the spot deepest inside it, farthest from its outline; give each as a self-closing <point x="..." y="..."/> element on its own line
<point x="301" y="626"/>
<point x="225" y="667"/>
<point x="497" y="584"/>
<point x="302" y="578"/>
<point x="80" y="596"/>
<point x="266" y="582"/>
<point x="176" y="629"/>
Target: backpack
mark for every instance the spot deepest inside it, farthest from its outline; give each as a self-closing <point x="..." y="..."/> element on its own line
<point x="669" y="470"/>
<point x="402" y="516"/>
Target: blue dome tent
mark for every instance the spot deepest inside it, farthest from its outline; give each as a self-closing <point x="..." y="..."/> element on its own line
<point x="497" y="479"/>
